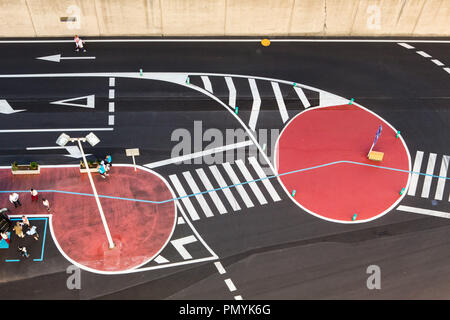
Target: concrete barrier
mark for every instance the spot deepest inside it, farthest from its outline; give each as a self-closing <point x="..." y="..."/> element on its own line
<point x="40" y="18"/>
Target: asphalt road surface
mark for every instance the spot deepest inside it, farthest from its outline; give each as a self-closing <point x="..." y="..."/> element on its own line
<point x="269" y="248"/>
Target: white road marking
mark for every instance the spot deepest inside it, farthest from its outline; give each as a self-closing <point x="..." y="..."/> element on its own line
<point x="219" y="267"/>
<point x="54" y="130"/>
<point x="111" y="93"/>
<point x="187" y="203"/>
<point x="238" y="297"/>
<point x="198" y="154"/>
<point x="437" y="62"/>
<point x="407" y="46"/>
<point x="256" y="104"/>
<point x="266" y="182"/>
<point x="5" y="108"/>
<point x="111" y="107"/>
<point x="180" y="243"/>
<point x="441" y="181"/>
<point x="423" y="54"/>
<point x="302" y="97"/>
<point x="247" y="175"/>
<point x="232" y="92"/>
<point x="428" y="212"/>
<point x="112" y="82"/>
<point x="428" y="179"/>
<point x="415" y="176"/>
<point x="240" y="189"/>
<point x="447" y="69"/>
<point x="208" y="186"/>
<point x="230" y="285"/>
<point x="160" y="259"/>
<point x="111" y="120"/>
<point x="201" y="200"/>
<point x="230" y="40"/>
<point x="180" y="220"/>
<point x="280" y="101"/>
<point x="207" y="83"/>
<point x="328" y="99"/>
<point x="90" y="102"/>
<point x="58" y="58"/>
<point x="74" y="151"/>
<point x="224" y="185"/>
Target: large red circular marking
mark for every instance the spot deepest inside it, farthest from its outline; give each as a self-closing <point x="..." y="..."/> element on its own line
<point x="336" y="192"/>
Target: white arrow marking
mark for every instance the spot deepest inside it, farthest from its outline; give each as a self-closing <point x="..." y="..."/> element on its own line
<point x="58" y="58"/>
<point x="180" y="243"/>
<point x="89" y="104"/>
<point x="73" y="150"/>
<point x="5" y="108"/>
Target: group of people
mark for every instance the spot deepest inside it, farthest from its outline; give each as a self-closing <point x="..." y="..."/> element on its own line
<point x="20" y="229"/>
<point x="14" y="199"/>
<point x="105" y="166"/>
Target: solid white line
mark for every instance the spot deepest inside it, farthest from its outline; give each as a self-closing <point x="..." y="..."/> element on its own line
<point x="225" y="190"/>
<point x="423" y="54"/>
<point x="77" y="58"/>
<point x="160" y="259"/>
<point x="407" y="46"/>
<point x="112" y="82"/>
<point x="437" y="62"/>
<point x="228" y="40"/>
<point x="447" y="69"/>
<point x="214" y="197"/>
<point x="180" y="220"/>
<point x="232" y="92"/>
<point x="240" y="189"/>
<point x="415" y="176"/>
<point x="266" y="182"/>
<point x="219" y="267"/>
<point x="180" y="243"/>
<point x="428" y="179"/>
<point x="111" y="120"/>
<point x="435" y="213"/>
<point x="201" y="200"/>
<point x="111" y="94"/>
<point x="441" y="181"/>
<point x="238" y="297"/>
<point x="256" y="104"/>
<point x="198" y="154"/>
<point x="247" y="175"/>
<point x="207" y="83"/>
<point x="111" y="107"/>
<point x="280" y="101"/>
<point x="302" y="97"/>
<point x="44" y="148"/>
<point x="187" y="203"/>
<point x="55" y="130"/>
<point x="230" y="285"/>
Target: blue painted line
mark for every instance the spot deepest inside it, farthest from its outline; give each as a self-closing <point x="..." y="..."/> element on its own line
<point x="13" y="260"/>
<point x="43" y="239"/>
<point x="234" y="185"/>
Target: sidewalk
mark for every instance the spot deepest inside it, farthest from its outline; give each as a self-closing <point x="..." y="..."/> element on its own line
<point x="141" y="229"/>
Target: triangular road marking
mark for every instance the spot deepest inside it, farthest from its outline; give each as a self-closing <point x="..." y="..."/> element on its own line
<point x="89" y="104"/>
<point x="5" y="108"/>
<point x="329" y="99"/>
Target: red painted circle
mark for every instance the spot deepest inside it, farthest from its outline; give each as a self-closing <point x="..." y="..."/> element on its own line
<point x="336" y="192"/>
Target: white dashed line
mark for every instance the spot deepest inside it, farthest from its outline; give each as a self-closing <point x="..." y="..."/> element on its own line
<point x="111" y="120"/>
<point x="423" y="54"/>
<point x="111" y="107"/>
<point x="112" y="82"/>
<point x="230" y="285"/>
<point x="238" y="298"/>
<point x="407" y="46"/>
<point x="447" y="69"/>
<point x="111" y="93"/>
<point x="219" y="267"/>
<point x="437" y="62"/>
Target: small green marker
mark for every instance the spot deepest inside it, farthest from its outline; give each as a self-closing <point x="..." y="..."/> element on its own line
<point x="402" y="191"/>
<point x="294" y="84"/>
<point x="140" y="72"/>
<point x="293" y="193"/>
<point x="351" y="101"/>
<point x="187" y="80"/>
<point x="236" y="109"/>
<point x="398" y="134"/>
<point x="354" y="217"/>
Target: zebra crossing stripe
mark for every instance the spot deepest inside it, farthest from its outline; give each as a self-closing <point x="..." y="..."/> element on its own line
<point x="240" y="189"/>
<point x="247" y="175"/>
<point x="225" y="190"/>
<point x="208" y="186"/>
<point x="415" y="176"/>
<point x="201" y="200"/>
<point x="187" y="203"/>
<point x="256" y="104"/>
<point x="280" y="101"/>
<point x="207" y="83"/>
<point x="441" y="181"/>
<point x="428" y="177"/>
<point x="232" y="90"/>
<point x="266" y="182"/>
<point x="302" y="97"/>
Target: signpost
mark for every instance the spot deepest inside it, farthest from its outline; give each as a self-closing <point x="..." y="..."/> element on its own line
<point x="132" y="153"/>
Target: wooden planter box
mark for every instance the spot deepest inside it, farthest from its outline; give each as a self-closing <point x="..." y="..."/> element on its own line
<point x="91" y="169"/>
<point x="25" y="169"/>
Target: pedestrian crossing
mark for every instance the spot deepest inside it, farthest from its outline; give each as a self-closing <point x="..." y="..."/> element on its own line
<point x="427" y="166"/>
<point x="245" y="193"/>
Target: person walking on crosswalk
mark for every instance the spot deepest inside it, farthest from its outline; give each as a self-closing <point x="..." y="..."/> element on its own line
<point x="79" y="44"/>
<point x="14" y="198"/>
<point x="34" y="195"/>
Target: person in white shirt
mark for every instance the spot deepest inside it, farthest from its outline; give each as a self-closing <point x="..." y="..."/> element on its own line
<point x="33" y="232"/>
<point x="46" y="204"/>
<point x="79" y="44"/>
<point x="34" y="195"/>
<point x="14" y="198"/>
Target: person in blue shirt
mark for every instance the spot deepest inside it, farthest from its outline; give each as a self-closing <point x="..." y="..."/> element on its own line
<point x="108" y="161"/>
<point x="102" y="170"/>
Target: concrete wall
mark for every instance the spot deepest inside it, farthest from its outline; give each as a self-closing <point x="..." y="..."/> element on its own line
<point x="39" y="18"/>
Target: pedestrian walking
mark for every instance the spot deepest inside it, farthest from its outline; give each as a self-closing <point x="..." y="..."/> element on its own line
<point x="25" y="223"/>
<point x="24" y="252"/>
<point x="108" y="161"/>
<point x="5" y="236"/>
<point x="14" y="198"/>
<point x="46" y="204"/>
<point x="79" y="44"/>
<point x="34" y="195"/>
<point x="18" y="230"/>
<point x="32" y="232"/>
<point x="102" y="171"/>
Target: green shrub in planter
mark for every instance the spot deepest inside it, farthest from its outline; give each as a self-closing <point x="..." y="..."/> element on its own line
<point x="33" y="165"/>
<point x="14" y="166"/>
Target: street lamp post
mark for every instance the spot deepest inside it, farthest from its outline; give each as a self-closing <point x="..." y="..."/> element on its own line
<point x="62" y="140"/>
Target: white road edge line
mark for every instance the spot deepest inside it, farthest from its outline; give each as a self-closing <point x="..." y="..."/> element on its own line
<point x="428" y="212"/>
<point x="54" y="130"/>
<point x="228" y="40"/>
